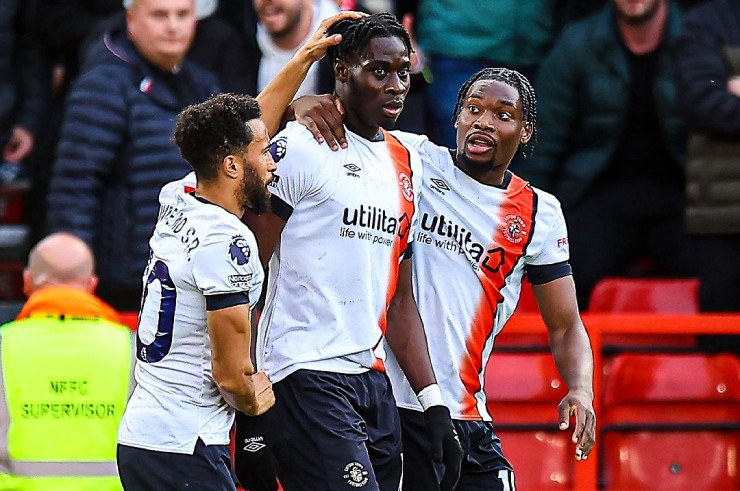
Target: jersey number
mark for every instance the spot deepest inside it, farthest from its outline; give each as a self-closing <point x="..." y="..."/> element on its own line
<point x="157" y="349"/>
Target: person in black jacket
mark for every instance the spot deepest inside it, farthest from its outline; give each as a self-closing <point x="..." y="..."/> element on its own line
<point x="708" y="84"/>
<point x="115" y="152"/>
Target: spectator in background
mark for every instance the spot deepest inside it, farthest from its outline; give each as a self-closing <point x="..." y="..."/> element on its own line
<point x="708" y="76"/>
<point x="66" y="364"/>
<point x="284" y="25"/>
<point x="272" y="31"/>
<point x="460" y="38"/>
<point x="22" y="84"/>
<point x="115" y="151"/>
<point x="217" y="48"/>
<point x="612" y="143"/>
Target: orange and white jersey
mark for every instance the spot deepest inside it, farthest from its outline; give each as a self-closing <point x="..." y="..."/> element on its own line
<point x="349" y="222"/>
<point x="472" y="247"/>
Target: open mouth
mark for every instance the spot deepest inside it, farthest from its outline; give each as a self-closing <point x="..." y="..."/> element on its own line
<point x="479" y="143"/>
<point x="393" y="109"/>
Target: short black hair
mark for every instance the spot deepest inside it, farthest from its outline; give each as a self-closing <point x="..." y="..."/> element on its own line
<point x="207" y="132"/>
<point x="518" y="82"/>
<point x="357" y="33"/>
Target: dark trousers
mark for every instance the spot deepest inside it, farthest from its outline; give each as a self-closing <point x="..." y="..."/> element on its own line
<point x="484" y="466"/>
<point x="719" y="272"/>
<point x="617" y="222"/>
<point x="208" y="469"/>
<point x="337" y="432"/>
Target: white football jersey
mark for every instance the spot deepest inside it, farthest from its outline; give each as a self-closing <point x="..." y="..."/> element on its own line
<point x="349" y="223"/>
<point x="471" y="249"/>
<point x="201" y="256"/>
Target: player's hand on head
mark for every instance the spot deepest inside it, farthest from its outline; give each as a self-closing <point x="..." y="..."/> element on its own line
<point x="264" y="398"/>
<point x="446" y="447"/>
<point x="315" y="48"/>
<point x="579" y="403"/>
<point x="323" y="115"/>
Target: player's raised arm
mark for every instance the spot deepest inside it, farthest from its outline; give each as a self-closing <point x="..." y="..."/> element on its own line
<point x="280" y="91"/>
<point x="573" y="357"/>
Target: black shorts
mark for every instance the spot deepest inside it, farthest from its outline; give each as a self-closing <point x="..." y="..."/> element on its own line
<point x="337" y="432"/>
<point x="484" y="466"/>
<point x="208" y="469"/>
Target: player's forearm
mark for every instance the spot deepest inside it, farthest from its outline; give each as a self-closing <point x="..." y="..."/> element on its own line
<point x="238" y="390"/>
<point x="571" y="350"/>
<point x="274" y="98"/>
<point x="406" y="337"/>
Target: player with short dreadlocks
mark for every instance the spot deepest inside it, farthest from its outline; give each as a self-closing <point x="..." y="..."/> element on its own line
<point x="340" y="288"/>
<point x="482" y="229"/>
<point x="522" y="86"/>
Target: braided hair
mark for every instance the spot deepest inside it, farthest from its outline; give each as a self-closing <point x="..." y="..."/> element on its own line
<point x="357" y="33"/>
<point x="517" y="81"/>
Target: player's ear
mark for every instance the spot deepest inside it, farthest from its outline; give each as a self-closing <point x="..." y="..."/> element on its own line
<point x="341" y="70"/>
<point x="229" y="166"/>
<point x="526" y="132"/>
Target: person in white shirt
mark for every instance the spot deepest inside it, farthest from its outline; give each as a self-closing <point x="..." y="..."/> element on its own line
<point x="203" y="277"/>
<point x="341" y="230"/>
<point x="283" y="26"/>
<point x="481" y="230"/>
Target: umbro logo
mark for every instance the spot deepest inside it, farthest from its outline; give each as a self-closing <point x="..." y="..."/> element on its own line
<point x="254" y="447"/>
<point x="353" y="169"/>
<point x="439" y="185"/>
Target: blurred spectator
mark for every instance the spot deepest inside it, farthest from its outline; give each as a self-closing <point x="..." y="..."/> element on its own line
<point x="217" y="48"/>
<point x="23" y="85"/>
<point x="460" y="38"/>
<point x="272" y="31"/>
<point x="115" y="151"/>
<point x="612" y="143"/>
<point x="66" y="364"/>
<point x="708" y="74"/>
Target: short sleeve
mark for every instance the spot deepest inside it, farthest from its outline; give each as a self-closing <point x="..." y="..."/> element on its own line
<point x="298" y="160"/>
<point x="226" y="263"/>
<point x="555" y="247"/>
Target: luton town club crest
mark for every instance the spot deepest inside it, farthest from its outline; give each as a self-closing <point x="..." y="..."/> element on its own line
<point x="407" y="189"/>
<point x="514" y="229"/>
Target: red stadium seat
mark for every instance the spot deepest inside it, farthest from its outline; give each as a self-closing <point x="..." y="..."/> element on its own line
<point x="646" y="295"/>
<point x="670" y="460"/>
<point x="523" y="391"/>
<point x="671" y="421"/>
<point x="656" y="295"/>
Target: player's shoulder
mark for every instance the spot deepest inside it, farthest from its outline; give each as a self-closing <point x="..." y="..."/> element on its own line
<point x="547" y="203"/>
<point x="421" y="143"/>
<point x="429" y="152"/>
<point x="170" y="190"/>
<point x="295" y="139"/>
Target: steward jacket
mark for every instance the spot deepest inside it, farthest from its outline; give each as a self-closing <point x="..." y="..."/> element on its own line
<point x="66" y="366"/>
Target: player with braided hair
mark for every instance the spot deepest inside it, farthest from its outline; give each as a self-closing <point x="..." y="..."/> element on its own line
<point x="339" y="242"/>
<point x="522" y="86"/>
<point x="481" y="230"/>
